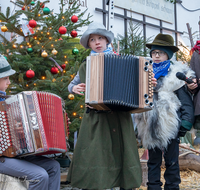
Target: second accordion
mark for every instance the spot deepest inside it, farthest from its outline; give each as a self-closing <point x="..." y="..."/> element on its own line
<point x="32" y="122"/>
<point x="121" y="83"/>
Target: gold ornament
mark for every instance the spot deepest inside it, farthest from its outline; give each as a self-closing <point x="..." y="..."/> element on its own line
<point x="4" y="29"/>
<point x="44" y="54"/>
<point x="71" y="96"/>
<point x="54" y="51"/>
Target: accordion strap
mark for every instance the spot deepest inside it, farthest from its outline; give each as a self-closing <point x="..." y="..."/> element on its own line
<point x="4" y="96"/>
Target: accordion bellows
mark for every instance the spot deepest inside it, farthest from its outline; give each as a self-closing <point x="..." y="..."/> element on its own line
<point x="32" y="122"/>
<point x="120" y="83"/>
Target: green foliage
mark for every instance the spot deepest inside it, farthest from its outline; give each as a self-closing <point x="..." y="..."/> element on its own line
<point x="133" y="43"/>
<point x="46" y="37"/>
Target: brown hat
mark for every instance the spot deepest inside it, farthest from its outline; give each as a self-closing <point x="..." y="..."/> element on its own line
<point x="164" y="40"/>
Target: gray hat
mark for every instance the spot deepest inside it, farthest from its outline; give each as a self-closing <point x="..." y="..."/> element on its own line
<point x="5" y="68"/>
<point x="96" y="28"/>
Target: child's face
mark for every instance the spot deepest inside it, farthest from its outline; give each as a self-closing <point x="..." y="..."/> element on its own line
<point x="97" y="43"/>
<point x="4" y="83"/>
<point x="159" y="56"/>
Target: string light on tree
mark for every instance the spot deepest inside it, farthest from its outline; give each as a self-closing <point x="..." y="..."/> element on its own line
<point x="62" y="30"/>
<point x="71" y="96"/>
<point x="4" y="29"/>
<point x="30" y="74"/>
<point x="54" y="70"/>
<point x="32" y="23"/>
<point x="73" y="33"/>
<point x="74" y="18"/>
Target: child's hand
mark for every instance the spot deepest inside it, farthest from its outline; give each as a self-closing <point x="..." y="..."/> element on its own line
<point x="192" y="86"/>
<point x="154" y="81"/>
<point x="77" y="89"/>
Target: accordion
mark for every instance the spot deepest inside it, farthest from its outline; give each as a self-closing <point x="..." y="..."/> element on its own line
<point x="121" y="83"/>
<point x="32" y="122"/>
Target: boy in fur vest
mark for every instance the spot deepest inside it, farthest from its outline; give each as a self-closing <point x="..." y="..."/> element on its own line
<point x="171" y="117"/>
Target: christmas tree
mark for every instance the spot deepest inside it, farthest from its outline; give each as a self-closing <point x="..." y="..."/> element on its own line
<point x="42" y="49"/>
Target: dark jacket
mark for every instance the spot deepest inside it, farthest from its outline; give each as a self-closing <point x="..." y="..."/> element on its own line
<point x="195" y="66"/>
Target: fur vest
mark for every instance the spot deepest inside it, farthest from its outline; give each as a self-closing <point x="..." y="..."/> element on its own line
<point x="158" y="126"/>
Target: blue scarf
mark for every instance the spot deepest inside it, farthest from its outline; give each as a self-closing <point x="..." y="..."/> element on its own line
<point x="161" y="69"/>
<point x="4" y="93"/>
<point x="108" y="50"/>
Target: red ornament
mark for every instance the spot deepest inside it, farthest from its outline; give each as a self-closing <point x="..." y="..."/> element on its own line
<point x="32" y="23"/>
<point x="54" y="70"/>
<point x="73" y="33"/>
<point x="42" y="5"/>
<point x="23" y="8"/>
<point x="30" y="74"/>
<point x="74" y="18"/>
<point x="62" y="30"/>
<point x="63" y="66"/>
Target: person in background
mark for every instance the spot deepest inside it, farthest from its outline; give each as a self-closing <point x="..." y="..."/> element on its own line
<point x="106" y="153"/>
<point x="171" y="117"/>
<point x="40" y="172"/>
<point x="194" y="89"/>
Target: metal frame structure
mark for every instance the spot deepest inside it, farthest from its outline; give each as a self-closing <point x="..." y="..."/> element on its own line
<point x="143" y="22"/>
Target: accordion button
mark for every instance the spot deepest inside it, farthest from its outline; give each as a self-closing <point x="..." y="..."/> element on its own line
<point x="1" y="152"/>
<point x="3" y="132"/>
<point x="3" y="149"/>
<point x="6" y="147"/>
<point x="2" y="129"/>
<point x="2" y="145"/>
<point x="7" y="137"/>
<point x="8" y="144"/>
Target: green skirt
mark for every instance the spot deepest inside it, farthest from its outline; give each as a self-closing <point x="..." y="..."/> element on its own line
<point x="106" y="153"/>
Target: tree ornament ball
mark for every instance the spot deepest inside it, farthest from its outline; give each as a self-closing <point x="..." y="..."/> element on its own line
<point x="4" y="29"/>
<point x="73" y="33"/>
<point x="32" y="23"/>
<point x="75" y="51"/>
<point x="71" y="96"/>
<point x="30" y="50"/>
<point x="42" y="5"/>
<point x="74" y="18"/>
<point x="30" y="74"/>
<point x="63" y="66"/>
<point x="46" y="10"/>
<point x="44" y="54"/>
<point x="54" y="70"/>
<point x="62" y="30"/>
<point x="32" y="2"/>
<point x="23" y="8"/>
<point x="54" y="51"/>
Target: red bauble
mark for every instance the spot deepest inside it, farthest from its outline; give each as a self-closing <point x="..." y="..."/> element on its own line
<point x="62" y="30"/>
<point x="73" y="33"/>
<point x="74" y="18"/>
<point x="63" y="66"/>
<point x="42" y="5"/>
<point x="30" y="74"/>
<point x="32" y="23"/>
<point x="54" y="70"/>
<point x="23" y="8"/>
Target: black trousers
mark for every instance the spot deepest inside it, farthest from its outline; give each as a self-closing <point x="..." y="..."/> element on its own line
<point x="172" y="172"/>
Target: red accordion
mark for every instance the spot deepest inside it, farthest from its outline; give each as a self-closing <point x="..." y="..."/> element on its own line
<point x="32" y="122"/>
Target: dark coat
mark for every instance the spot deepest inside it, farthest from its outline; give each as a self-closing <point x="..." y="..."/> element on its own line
<point x="106" y="153"/>
<point x="195" y="66"/>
